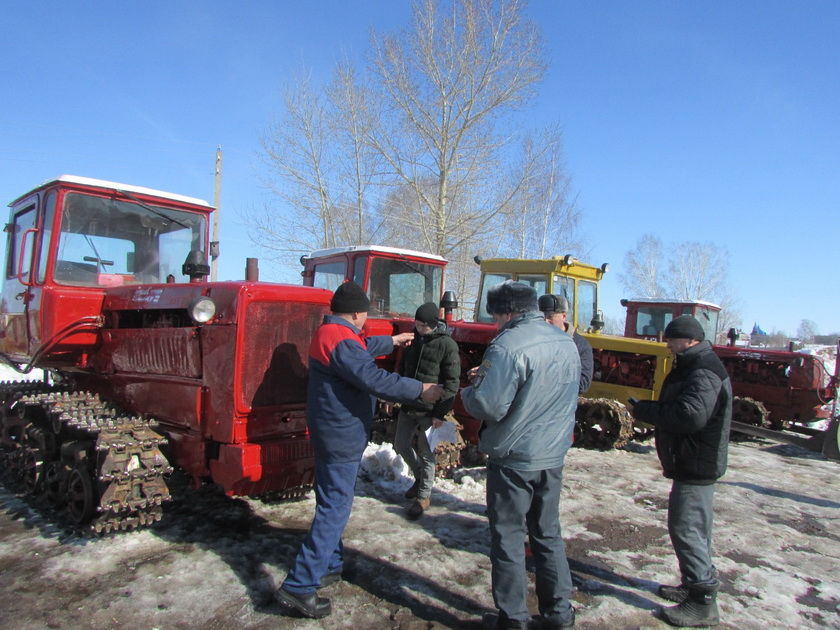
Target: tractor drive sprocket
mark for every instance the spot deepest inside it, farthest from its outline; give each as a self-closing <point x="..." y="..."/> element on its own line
<point x="101" y="467"/>
<point x="602" y="423"/>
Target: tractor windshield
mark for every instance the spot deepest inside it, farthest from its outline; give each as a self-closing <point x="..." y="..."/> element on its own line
<point x="398" y="287"/>
<point x="110" y="242"/>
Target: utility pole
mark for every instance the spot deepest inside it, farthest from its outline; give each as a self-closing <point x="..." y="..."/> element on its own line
<point x="217" y="203"/>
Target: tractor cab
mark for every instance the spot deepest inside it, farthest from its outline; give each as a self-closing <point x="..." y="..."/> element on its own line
<point x="561" y="275"/>
<point x="648" y="317"/>
<point x="73" y="238"/>
<point x="397" y="281"/>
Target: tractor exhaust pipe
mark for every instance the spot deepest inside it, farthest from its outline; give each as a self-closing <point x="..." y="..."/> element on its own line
<point x="252" y="270"/>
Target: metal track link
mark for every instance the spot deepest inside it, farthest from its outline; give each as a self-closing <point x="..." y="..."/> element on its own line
<point x="105" y="467"/>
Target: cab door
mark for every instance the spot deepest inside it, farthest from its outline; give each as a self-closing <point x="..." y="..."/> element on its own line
<point x="20" y="295"/>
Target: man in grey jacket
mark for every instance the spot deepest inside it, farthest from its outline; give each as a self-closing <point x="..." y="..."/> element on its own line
<point x="525" y="393"/>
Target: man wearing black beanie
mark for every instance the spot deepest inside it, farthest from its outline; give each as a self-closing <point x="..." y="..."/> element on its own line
<point x="344" y="382"/>
<point x="432" y="357"/>
<point x="692" y="419"/>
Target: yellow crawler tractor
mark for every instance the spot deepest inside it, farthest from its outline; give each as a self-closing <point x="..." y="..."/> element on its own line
<point x="624" y="367"/>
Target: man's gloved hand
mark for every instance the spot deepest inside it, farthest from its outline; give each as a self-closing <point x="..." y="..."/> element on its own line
<point x="432" y="392"/>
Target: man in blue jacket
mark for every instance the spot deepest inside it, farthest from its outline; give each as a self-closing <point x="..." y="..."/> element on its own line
<point x="525" y="393"/>
<point x="344" y="383"/>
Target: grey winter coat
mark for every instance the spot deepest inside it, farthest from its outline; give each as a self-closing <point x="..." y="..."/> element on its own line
<point x="525" y="394"/>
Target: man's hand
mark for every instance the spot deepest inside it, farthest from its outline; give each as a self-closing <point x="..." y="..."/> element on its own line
<point x="437" y="423"/>
<point x="432" y="392"/>
<point x="402" y="339"/>
<point x="472" y="372"/>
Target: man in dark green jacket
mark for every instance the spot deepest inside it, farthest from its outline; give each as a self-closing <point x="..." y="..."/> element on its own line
<point x="431" y="358"/>
<point x="692" y="419"/>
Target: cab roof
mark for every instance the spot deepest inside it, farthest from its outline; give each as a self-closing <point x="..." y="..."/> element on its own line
<point x="101" y="183"/>
<point x="323" y="253"/>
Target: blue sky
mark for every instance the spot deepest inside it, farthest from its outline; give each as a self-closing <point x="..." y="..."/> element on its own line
<point x="716" y="121"/>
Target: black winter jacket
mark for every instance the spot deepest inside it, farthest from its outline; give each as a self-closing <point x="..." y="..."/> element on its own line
<point x="692" y="417"/>
<point x="587" y="364"/>
<point x="433" y="358"/>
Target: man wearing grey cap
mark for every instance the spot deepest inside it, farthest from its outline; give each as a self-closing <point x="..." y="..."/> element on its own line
<point x="525" y="394"/>
<point x="692" y="419"/>
<point x="555" y="309"/>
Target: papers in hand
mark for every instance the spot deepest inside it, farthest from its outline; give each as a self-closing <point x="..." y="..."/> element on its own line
<point x="444" y="433"/>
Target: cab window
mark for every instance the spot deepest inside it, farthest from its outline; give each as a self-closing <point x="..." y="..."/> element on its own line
<point x="359" y="271"/>
<point x="587" y="303"/>
<point x="489" y="281"/>
<point x="652" y="320"/>
<point x="708" y="320"/>
<point x="46" y="235"/>
<point x="399" y="286"/>
<point x="538" y="282"/>
<point x="329" y="275"/>
<point x="22" y="221"/>
<point x="565" y="286"/>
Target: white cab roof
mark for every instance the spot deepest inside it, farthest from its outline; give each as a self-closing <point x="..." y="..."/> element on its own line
<point x="101" y="183"/>
<point x="323" y="253"/>
<point x="667" y="301"/>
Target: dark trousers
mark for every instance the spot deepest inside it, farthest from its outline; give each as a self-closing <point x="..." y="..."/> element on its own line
<point x="520" y="501"/>
<point x="322" y="552"/>
<point x="690" y="517"/>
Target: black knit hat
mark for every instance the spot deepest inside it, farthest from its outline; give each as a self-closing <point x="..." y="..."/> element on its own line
<point x="550" y="303"/>
<point x="511" y="297"/>
<point x="428" y="314"/>
<point x="684" y="327"/>
<point x="349" y="298"/>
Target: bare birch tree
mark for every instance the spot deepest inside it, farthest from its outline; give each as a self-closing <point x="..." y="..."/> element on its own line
<point x="421" y="158"/>
<point x="542" y="218"/>
<point x="642" y="274"/>
<point x="685" y="271"/>
<point x="321" y="165"/>
<point x="463" y="66"/>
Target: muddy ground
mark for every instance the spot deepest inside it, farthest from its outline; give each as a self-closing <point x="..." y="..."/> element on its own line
<point x="214" y="561"/>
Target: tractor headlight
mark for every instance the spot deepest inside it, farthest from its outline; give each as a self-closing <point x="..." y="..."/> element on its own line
<point x="202" y="309"/>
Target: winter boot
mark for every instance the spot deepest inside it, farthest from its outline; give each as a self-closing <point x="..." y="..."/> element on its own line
<point x="699" y="609"/>
<point x="411" y="493"/>
<point x="418" y="507"/>
<point x="673" y="593"/>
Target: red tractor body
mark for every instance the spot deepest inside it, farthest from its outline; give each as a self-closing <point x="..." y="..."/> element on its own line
<point x="790" y="386"/>
<point x="95" y="293"/>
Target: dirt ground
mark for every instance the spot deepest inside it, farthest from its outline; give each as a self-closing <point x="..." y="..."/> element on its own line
<point x="214" y="561"/>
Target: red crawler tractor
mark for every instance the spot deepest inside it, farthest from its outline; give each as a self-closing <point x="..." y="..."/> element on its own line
<point x="105" y="289"/>
<point x="774" y="389"/>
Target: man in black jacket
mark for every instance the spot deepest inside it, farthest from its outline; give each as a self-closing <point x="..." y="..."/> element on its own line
<point x="431" y="358"/>
<point x="692" y="419"/>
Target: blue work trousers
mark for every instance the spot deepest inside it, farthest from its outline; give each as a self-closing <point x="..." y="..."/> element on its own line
<point x="520" y="501"/>
<point x="322" y="552"/>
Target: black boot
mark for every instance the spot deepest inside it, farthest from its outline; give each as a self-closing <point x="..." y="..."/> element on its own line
<point x="307" y="605"/>
<point x="673" y="593"/>
<point x="698" y="609"/>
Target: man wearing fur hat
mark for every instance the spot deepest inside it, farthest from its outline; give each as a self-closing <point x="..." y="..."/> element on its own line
<point x="692" y="419"/>
<point x="344" y="382"/>
<point x="525" y="393"/>
<point x="431" y="358"/>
